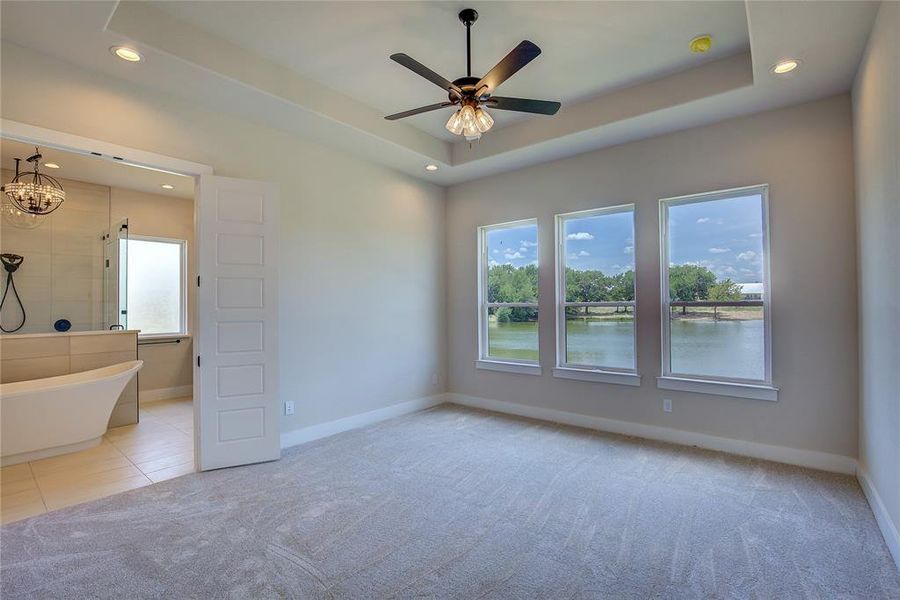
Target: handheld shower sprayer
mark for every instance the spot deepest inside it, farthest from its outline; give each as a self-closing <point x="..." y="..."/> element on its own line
<point x="12" y="262"/>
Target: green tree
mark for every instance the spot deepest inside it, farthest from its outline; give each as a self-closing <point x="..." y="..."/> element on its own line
<point x="507" y="283"/>
<point x="622" y="287"/>
<point x="689" y="282"/>
<point x="586" y="286"/>
<point x="724" y="291"/>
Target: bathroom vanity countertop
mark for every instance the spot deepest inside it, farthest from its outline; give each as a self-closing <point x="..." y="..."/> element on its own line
<point x="19" y="336"/>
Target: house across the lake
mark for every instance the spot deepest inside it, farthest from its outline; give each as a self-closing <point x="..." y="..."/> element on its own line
<point x="751" y="291"/>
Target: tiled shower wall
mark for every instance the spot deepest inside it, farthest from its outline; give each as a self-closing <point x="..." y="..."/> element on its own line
<point x="62" y="274"/>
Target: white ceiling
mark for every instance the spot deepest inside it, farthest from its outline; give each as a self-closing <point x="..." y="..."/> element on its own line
<point x="588" y="48"/>
<point x="320" y="70"/>
<point x="91" y="169"/>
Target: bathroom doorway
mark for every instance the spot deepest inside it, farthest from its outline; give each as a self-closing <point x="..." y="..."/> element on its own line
<point x="117" y="256"/>
<point x="231" y="407"/>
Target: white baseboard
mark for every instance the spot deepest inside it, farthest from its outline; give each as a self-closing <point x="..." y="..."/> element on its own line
<point x="794" y="456"/>
<point x="882" y="517"/>
<point x="165" y="393"/>
<point x="314" y="432"/>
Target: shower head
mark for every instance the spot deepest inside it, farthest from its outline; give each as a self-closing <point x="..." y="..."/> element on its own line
<point x="11" y="262"/>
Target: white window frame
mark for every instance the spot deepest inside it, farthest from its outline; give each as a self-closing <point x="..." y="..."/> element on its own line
<point x="183" y="308"/>
<point x="484" y="360"/>
<point x="567" y="370"/>
<point x="726" y="386"/>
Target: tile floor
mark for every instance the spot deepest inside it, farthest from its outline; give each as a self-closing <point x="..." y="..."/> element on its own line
<point x="160" y="447"/>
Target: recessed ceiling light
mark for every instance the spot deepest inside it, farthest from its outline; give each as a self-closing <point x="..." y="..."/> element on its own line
<point x="126" y="53"/>
<point x="701" y="44"/>
<point x="431" y="167"/>
<point x="785" y="66"/>
<point x="51" y="165"/>
<point x="167" y="186"/>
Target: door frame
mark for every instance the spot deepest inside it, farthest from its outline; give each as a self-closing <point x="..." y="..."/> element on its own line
<point x="115" y="153"/>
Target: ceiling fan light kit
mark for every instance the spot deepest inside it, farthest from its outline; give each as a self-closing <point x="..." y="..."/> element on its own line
<point x="470" y="95"/>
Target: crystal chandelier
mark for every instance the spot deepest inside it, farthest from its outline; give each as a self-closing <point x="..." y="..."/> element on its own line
<point x="32" y="192"/>
<point x="18" y="218"/>
<point x="470" y="121"/>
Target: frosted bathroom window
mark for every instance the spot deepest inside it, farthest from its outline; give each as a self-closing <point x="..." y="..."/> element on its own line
<point x="156" y="285"/>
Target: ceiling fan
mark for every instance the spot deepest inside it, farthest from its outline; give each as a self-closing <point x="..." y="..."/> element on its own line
<point x="471" y="94"/>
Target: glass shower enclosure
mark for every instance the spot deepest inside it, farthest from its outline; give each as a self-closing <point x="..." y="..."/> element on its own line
<point x="115" y="276"/>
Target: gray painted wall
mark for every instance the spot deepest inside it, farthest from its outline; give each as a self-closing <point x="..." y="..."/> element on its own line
<point x="876" y="116"/>
<point x="805" y="154"/>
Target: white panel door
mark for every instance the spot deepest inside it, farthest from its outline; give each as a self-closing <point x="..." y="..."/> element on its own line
<point x="236" y="368"/>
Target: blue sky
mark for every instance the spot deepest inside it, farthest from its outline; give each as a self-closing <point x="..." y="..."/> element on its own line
<point x="724" y="235"/>
<point x="601" y="243"/>
<point x="516" y="246"/>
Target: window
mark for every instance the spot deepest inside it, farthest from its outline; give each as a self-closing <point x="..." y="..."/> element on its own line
<point x="508" y="296"/>
<point x="595" y="292"/>
<point x="156" y="284"/>
<point x="715" y="292"/>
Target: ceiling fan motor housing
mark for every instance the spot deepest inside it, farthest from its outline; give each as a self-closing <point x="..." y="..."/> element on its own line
<point x="468" y="16"/>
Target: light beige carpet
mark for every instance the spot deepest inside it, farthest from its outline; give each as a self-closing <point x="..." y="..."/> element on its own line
<point x="456" y="503"/>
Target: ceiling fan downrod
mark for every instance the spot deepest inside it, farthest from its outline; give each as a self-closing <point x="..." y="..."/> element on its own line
<point x="468" y="16"/>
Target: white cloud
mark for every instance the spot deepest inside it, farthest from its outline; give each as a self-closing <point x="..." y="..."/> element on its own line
<point x="496" y="250"/>
<point x="528" y="244"/>
<point x="511" y="255"/>
<point x="729" y="271"/>
<point x="573" y="256"/>
<point x="584" y="253"/>
<point x="748" y="255"/>
<point x="629" y="249"/>
<point x="581" y="235"/>
<point x="755" y="235"/>
<point x="493" y="263"/>
<point x="719" y="250"/>
<point x="704" y="220"/>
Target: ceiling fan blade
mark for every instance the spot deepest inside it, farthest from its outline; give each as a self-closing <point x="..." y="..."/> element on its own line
<point x="520" y="56"/>
<point x="420" y="69"/>
<point x="539" y="107"/>
<point x="417" y="111"/>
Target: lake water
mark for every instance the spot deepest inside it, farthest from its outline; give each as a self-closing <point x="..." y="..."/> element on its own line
<point x="699" y="347"/>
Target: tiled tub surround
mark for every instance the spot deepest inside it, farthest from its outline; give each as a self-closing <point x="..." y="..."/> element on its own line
<point x="39" y="355"/>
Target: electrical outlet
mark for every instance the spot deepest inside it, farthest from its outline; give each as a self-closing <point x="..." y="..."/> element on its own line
<point x="434" y="379"/>
<point x="667" y="405"/>
<point x="289" y="407"/>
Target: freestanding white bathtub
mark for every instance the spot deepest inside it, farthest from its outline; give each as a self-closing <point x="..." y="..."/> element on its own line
<point x="57" y="415"/>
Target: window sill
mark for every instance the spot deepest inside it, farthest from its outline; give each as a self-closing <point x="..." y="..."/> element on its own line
<point x="598" y="376"/>
<point x="719" y="388"/>
<point x="508" y="367"/>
